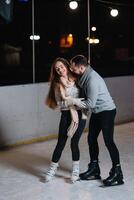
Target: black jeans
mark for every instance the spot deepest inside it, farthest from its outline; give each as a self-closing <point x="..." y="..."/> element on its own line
<point x="62" y="136"/>
<point x="103" y="121"/>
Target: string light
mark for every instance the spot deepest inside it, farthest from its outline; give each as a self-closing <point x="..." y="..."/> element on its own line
<point x="114" y="12"/>
<point x="73" y="5"/>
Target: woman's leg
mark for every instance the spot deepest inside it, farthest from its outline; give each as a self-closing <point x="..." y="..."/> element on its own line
<point x="75" y="148"/>
<point x="62" y="136"/>
<point x="76" y="137"/>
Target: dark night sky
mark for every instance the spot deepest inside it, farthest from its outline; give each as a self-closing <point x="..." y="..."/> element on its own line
<point x="53" y="18"/>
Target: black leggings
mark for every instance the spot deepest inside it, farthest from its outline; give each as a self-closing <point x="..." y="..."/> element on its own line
<point x="62" y="137"/>
<point x="103" y="121"/>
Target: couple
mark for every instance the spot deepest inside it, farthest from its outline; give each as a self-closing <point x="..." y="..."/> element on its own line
<point x="76" y="88"/>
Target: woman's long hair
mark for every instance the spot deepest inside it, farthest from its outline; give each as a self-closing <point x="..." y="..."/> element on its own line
<point x="55" y="82"/>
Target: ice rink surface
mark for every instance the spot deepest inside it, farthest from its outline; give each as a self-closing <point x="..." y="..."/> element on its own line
<point x="22" y="170"/>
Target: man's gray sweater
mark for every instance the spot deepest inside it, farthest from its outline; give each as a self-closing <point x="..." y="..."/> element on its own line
<point x="97" y="96"/>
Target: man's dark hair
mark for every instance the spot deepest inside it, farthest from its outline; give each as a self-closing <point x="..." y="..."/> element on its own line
<point x="79" y="60"/>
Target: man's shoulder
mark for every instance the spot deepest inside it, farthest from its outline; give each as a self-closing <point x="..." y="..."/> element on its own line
<point x="95" y="74"/>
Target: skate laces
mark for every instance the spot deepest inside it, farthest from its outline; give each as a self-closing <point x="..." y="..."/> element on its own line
<point x="52" y="169"/>
<point x="75" y="170"/>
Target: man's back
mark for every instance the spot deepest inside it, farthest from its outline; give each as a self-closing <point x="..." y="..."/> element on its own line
<point x="95" y="91"/>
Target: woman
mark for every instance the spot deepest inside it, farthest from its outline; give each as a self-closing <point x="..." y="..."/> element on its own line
<point x="62" y="87"/>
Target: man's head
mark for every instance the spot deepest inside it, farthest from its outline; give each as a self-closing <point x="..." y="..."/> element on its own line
<point x="78" y="64"/>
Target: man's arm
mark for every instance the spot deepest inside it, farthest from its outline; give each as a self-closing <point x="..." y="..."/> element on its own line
<point x="91" y="92"/>
<point x="75" y="101"/>
<point x="89" y="102"/>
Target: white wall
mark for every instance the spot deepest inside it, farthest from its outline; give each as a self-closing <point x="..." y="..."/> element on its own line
<point x="122" y="91"/>
<point x="23" y="115"/>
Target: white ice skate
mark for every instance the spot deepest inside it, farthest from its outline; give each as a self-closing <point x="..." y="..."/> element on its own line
<point x="75" y="172"/>
<point x="51" y="171"/>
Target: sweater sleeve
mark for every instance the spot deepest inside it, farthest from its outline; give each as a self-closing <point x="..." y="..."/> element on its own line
<point x="91" y="91"/>
<point x="92" y="94"/>
<point x="60" y="102"/>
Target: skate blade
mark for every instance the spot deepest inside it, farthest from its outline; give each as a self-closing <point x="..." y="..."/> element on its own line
<point x="115" y="184"/>
<point x="91" y="178"/>
<point x="74" y="181"/>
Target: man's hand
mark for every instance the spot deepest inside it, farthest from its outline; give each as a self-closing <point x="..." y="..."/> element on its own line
<point x="75" y="101"/>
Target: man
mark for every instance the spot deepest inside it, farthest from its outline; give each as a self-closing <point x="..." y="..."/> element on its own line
<point x="99" y="101"/>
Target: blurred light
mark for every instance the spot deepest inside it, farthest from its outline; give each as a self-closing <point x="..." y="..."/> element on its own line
<point x="23" y="0"/>
<point x="114" y="12"/>
<point x="49" y="42"/>
<point x="96" y="41"/>
<point x="66" y="41"/>
<point x="93" y="28"/>
<point x="8" y="1"/>
<point x="70" y="35"/>
<point x="93" y="40"/>
<point x="35" y="37"/>
<point x="73" y="5"/>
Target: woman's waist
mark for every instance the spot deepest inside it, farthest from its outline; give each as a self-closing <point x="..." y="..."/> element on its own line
<point x="68" y="108"/>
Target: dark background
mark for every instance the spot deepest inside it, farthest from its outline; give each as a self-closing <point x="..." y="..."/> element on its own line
<point x="113" y="56"/>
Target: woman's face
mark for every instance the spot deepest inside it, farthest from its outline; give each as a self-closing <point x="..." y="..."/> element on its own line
<point x="61" y="69"/>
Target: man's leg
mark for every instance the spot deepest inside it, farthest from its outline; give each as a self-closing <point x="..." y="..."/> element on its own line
<point x="93" y="171"/>
<point x="115" y="176"/>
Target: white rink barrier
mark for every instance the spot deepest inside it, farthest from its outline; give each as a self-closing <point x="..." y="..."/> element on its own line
<point x="24" y="116"/>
